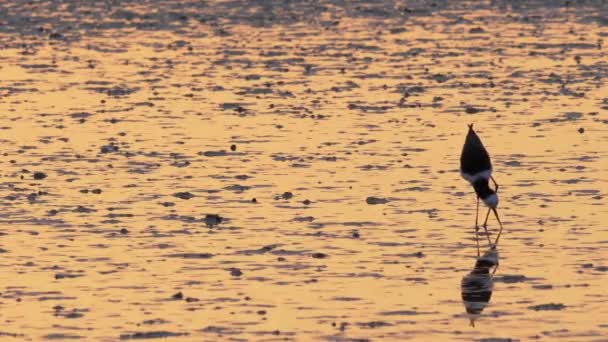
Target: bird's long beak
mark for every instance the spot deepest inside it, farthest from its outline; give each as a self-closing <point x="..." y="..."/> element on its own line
<point x="500" y="223"/>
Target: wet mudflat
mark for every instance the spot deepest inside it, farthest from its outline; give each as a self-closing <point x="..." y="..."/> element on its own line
<point x="289" y="170"/>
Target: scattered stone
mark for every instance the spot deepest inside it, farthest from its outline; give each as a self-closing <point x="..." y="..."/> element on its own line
<point x="55" y="36"/>
<point x="39" y="175"/>
<point x="581" y="130"/>
<point x="183" y="195"/>
<point x="109" y="149"/>
<point x="220" y="153"/>
<point x="232" y="147"/>
<point x="235" y="272"/>
<point x="319" y="255"/>
<point x="178" y="296"/>
<point x="573" y="115"/>
<point x="67" y="275"/>
<point x="287" y="195"/>
<point x="472" y="110"/>
<point x="376" y="200"/>
<point x="150" y="335"/>
<point x="212" y="220"/>
<point x="374" y="324"/>
<point x="82" y="209"/>
<point x="547" y="307"/>
<point x="303" y="219"/>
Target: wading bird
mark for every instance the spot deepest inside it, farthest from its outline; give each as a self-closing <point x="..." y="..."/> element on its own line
<point x="476" y="168"/>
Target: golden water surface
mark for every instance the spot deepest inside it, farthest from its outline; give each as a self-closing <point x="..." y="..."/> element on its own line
<point x="130" y="108"/>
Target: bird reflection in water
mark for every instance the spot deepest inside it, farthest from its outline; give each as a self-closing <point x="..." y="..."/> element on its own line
<point x="477" y="286"/>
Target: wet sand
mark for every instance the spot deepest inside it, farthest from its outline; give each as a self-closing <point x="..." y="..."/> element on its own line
<point x="205" y="171"/>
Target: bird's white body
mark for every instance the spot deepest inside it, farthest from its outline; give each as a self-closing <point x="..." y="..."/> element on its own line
<point x="475" y="177"/>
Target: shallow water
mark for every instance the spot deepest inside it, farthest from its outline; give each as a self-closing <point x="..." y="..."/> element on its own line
<point x="347" y="121"/>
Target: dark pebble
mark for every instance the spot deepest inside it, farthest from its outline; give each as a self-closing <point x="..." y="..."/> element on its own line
<point x="235" y="272"/>
<point x="212" y="220"/>
<point x="109" y="149"/>
<point x="376" y="200"/>
<point x="319" y="255"/>
<point x="183" y="195"/>
<point x="547" y="307"/>
<point x="39" y="175"/>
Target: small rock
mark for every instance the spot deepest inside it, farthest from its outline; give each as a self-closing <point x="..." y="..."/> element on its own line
<point x="286" y="195"/>
<point x="39" y="175"/>
<point x="235" y="272"/>
<point x="212" y="220"/>
<point x="183" y="195"/>
<point x="232" y="147"/>
<point x="178" y="296"/>
<point x="109" y="149"/>
<point x="319" y="255"/>
<point x="376" y="200"/>
<point x="547" y="307"/>
<point x="55" y="36"/>
<point x="221" y="153"/>
<point x="472" y="110"/>
<point x="581" y="130"/>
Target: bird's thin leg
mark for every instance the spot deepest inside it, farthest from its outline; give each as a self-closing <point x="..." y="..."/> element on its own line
<point x="477" y="226"/>
<point x="495" y="184"/>
<point x="500" y="223"/>
<point x="485" y="227"/>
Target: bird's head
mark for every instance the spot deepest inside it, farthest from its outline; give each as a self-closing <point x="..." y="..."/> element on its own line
<point x="491" y="200"/>
<point x="487" y="195"/>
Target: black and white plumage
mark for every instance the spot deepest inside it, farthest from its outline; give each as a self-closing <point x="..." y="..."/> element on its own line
<point x="476" y="168"/>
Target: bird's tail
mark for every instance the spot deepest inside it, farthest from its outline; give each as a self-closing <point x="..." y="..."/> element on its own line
<point x="470" y="126"/>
